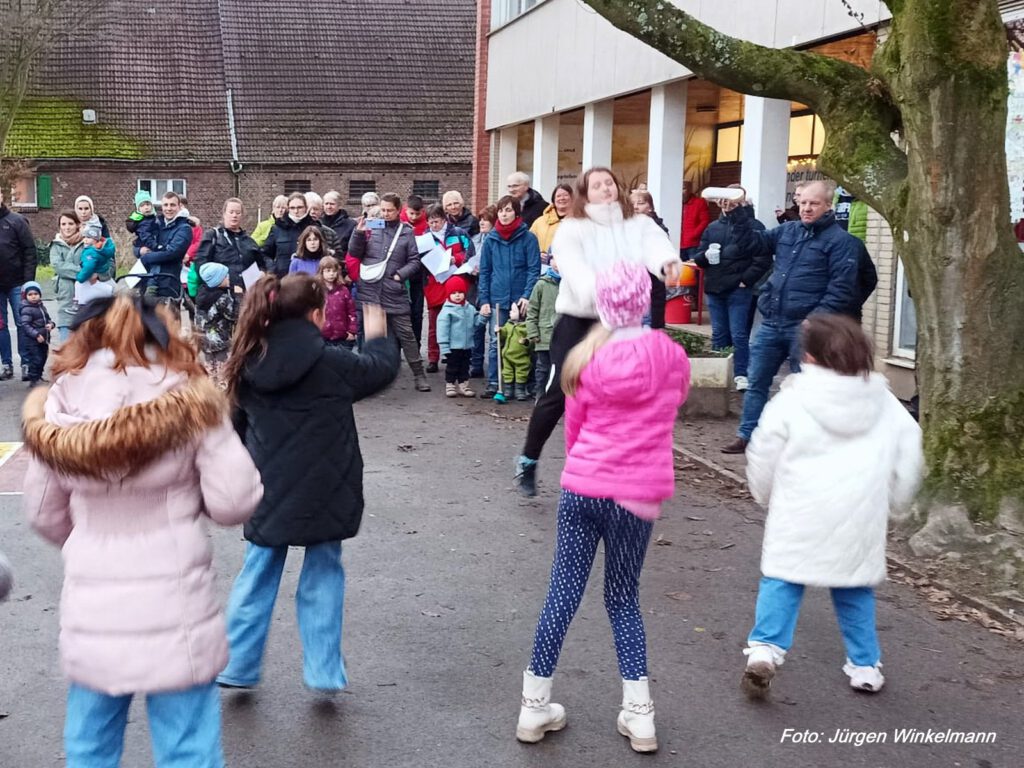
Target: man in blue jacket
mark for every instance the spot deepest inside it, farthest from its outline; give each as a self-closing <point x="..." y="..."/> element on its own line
<point x="174" y="236"/>
<point x="816" y="269"/>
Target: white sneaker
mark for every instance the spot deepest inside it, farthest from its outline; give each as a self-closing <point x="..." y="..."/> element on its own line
<point x="742" y="384"/>
<point x="636" y="718"/>
<point x="868" y="679"/>
<point x="537" y="714"/>
<point x="762" y="662"/>
<point x="450" y="390"/>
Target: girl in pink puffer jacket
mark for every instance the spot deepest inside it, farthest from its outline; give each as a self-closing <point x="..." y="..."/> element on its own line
<point x="131" y="450"/>
<point x="623" y="384"/>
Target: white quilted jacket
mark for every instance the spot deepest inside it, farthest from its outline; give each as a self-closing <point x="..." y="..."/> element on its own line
<point x="830" y="457"/>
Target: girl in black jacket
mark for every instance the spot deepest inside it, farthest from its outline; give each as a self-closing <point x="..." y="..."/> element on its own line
<point x="294" y="400"/>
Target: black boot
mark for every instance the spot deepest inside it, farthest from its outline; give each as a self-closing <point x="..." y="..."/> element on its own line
<point x="526" y="476"/>
<point x="521" y="394"/>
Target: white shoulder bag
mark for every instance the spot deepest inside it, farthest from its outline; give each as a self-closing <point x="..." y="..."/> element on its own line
<point x="374" y="272"/>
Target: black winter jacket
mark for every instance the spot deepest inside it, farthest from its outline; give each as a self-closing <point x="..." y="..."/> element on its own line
<point x="281" y="244"/>
<point x="467" y="221"/>
<point x="33" y="320"/>
<point x="17" y="250"/>
<point x="343" y="226"/>
<point x="736" y="264"/>
<point x="391" y="294"/>
<point x="295" y="417"/>
<point x="235" y="250"/>
<point x="534" y="205"/>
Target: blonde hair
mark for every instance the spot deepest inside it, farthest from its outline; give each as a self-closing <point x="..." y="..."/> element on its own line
<point x="579" y="357"/>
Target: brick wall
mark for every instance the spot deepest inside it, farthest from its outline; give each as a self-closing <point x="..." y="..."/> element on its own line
<point x="481" y="193"/>
<point x="112" y="188"/>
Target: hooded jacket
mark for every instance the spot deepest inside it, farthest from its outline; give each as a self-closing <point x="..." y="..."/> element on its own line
<point x="339" y="313"/>
<point x="33" y="319"/>
<point x="96" y="261"/>
<point x="125" y="467"/>
<point x="467" y="222"/>
<point x="66" y="260"/>
<point x="281" y="243"/>
<point x="736" y="264"/>
<point x="342" y="225"/>
<point x="235" y="250"/>
<point x="533" y="205"/>
<point x="371" y="247"/>
<point x="592" y="244"/>
<point x="17" y="249"/>
<point x="540" y="317"/>
<point x="508" y="268"/>
<point x="456" y="326"/>
<point x="619" y="425"/>
<point x="295" y="416"/>
<point x="545" y="226"/>
<point x="830" y="457"/>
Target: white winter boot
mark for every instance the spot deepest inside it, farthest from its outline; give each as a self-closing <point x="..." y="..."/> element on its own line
<point x="538" y="715"/>
<point x="868" y="679"/>
<point x="762" y="661"/>
<point x="636" y="720"/>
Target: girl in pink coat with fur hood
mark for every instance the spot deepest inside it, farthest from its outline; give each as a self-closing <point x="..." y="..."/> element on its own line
<point x="132" y="450"/>
<point x="623" y="384"/>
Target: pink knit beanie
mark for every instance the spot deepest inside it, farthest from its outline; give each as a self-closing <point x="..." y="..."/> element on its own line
<point x="623" y="295"/>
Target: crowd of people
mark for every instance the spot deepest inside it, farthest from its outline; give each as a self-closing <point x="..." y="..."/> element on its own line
<point x="254" y="425"/>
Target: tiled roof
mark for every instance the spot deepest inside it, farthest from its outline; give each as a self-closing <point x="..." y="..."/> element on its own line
<point x="333" y="81"/>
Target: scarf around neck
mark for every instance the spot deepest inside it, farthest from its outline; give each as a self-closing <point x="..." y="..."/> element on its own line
<point x="74" y="240"/>
<point x="505" y="231"/>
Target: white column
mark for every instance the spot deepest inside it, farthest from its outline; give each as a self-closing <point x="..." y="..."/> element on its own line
<point x="765" y="151"/>
<point x="665" y="153"/>
<point x="545" y="154"/>
<point x="598" y="119"/>
<point x="508" y="152"/>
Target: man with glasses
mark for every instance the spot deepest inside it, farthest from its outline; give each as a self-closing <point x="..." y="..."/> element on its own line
<point x="530" y="200"/>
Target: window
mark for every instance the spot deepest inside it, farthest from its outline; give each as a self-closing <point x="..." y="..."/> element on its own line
<point x="503" y="11"/>
<point x="297" y="185"/>
<point x="158" y="187"/>
<point x="806" y="135"/>
<point x="24" y="192"/>
<point x="729" y="143"/>
<point x="904" y="332"/>
<point x="359" y="187"/>
<point x="428" y="190"/>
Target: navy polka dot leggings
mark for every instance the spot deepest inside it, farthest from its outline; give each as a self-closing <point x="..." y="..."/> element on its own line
<point x="582" y="522"/>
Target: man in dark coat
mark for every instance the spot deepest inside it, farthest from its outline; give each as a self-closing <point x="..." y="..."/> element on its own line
<point x="395" y="245"/>
<point x="337" y="218"/>
<point x="173" y="237"/>
<point x="816" y="267"/>
<point x="531" y="202"/>
<point x="17" y="266"/>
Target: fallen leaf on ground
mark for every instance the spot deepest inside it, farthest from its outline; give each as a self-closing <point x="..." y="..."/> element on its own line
<point x="678" y="595"/>
<point x="661" y="541"/>
<point x="431" y="614"/>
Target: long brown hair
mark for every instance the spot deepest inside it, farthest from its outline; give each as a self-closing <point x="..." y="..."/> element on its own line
<point x="269" y="301"/>
<point x="300" y="248"/>
<point x="580" y="199"/>
<point x="579" y="357"/>
<point x="329" y="262"/>
<point x="839" y="343"/>
<point x="120" y="330"/>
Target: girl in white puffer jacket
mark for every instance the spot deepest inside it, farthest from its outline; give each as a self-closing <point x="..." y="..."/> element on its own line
<point x="831" y="455"/>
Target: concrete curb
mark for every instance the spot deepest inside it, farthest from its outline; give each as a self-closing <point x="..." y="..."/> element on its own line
<point x="979" y="603"/>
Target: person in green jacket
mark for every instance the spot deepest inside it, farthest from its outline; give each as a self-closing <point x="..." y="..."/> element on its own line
<point x="540" y="322"/>
<point x="66" y="260"/>
<point x="278" y="210"/>
<point x="514" y="345"/>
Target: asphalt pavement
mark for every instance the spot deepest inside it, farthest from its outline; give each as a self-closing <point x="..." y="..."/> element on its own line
<point x="445" y="581"/>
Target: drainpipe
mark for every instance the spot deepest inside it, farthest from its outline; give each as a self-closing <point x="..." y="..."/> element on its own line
<point x="236" y="166"/>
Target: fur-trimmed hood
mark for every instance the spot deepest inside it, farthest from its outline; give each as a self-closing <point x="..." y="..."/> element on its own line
<point x="131" y="437"/>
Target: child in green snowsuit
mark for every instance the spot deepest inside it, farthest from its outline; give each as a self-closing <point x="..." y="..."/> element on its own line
<point x="514" y="345"/>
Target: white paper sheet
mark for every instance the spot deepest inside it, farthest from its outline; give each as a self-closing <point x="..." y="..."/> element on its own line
<point x="251" y="275"/>
<point x="425" y="242"/>
<point x="86" y="292"/>
<point x="138" y="268"/>
<point x="471" y="266"/>
<point x="437" y="261"/>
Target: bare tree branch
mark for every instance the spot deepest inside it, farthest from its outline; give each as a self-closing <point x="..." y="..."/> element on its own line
<point x="854" y="104"/>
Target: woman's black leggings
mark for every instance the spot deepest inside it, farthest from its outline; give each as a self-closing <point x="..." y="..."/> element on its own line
<point x="569" y="331"/>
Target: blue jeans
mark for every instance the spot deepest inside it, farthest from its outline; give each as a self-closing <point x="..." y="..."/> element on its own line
<point x="492" y="351"/>
<point x="319" y="601"/>
<point x="730" y="324"/>
<point x="184" y="727"/>
<point x="11" y="296"/>
<point x="772" y="346"/>
<point x="778" y="606"/>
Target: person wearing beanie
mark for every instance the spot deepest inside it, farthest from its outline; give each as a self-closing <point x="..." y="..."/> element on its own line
<point x="456" y="332"/>
<point x="217" y="308"/>
<point x="97" y="255"/>
<point x="143" y="222"/>
<point x="514" y="353"/>
<point x="34" y="326"/>
<point x="623" y="384"/>
<point x="540" y="322"/>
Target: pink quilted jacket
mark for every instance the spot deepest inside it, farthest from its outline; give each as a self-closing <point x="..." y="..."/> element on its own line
<point x="125" y="469"/>
<point x="618" y="427"/>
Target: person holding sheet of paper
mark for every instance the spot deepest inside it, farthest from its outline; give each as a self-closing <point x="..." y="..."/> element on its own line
<point x="229" y="244"/>
<point x="455" y="241"/>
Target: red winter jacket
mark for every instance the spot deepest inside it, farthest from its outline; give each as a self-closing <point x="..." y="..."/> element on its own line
<point x="695" y="220"/>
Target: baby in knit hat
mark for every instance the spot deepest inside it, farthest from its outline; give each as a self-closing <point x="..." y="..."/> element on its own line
<point x="98" y="254"/>
<point x="217" y="307"/>
<point x="143" y="222"/>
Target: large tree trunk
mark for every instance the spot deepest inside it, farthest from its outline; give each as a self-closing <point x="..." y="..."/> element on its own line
<point x="939" y="84"/>
<point x="945" y="63"/>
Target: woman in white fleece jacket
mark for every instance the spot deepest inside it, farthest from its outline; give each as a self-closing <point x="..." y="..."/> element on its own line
<point x="601" y="230"/>
<point x="833" y="453"/>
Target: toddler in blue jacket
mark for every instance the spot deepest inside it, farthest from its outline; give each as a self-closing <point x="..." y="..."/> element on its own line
<point x="456" y="326"/>
<point x="97" y="256"/>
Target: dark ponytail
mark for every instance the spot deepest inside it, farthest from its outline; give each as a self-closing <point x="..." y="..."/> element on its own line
<point x="838" y="343"/>
<point x="269" y="301"/>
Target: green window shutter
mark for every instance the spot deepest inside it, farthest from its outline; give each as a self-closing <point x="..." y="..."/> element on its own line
<point x="44" y="191"/>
